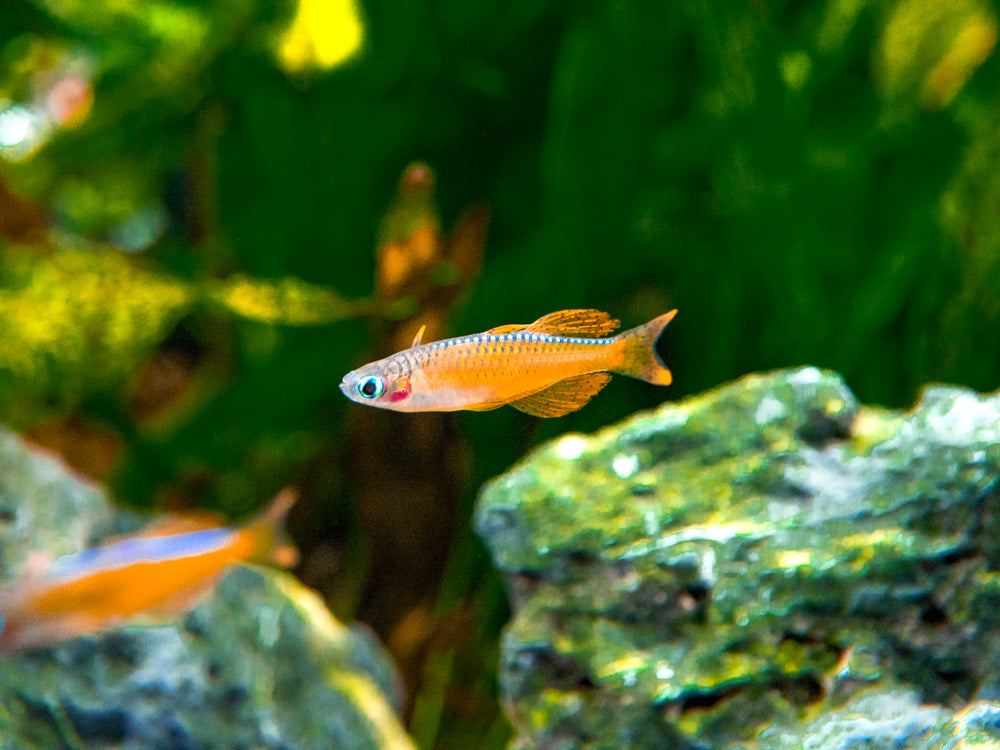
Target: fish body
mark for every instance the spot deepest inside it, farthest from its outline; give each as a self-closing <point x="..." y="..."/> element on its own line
<point x="547" y="368"/>
<point x="155" y="573"/>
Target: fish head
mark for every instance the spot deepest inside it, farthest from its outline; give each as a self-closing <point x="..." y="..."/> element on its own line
<point x="385" y="384"/>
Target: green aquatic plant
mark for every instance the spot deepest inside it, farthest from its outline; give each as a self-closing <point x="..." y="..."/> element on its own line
<point x="809" y="183"/>
<point x="83" y="319"/>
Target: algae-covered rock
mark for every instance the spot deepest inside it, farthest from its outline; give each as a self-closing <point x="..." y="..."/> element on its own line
<point x="751" y="559"/>
<point x="892" y="720"/>
<point x="259" y="663"/>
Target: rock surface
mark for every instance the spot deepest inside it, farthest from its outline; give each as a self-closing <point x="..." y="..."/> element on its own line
<point x="259" y="663"/>
<point x="769" y="564"/>
<point x="891" y="720"/>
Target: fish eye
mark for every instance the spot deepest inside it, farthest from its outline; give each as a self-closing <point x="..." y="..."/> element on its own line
<point x="371" y="387"/>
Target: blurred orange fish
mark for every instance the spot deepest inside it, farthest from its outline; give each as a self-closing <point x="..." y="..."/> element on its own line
<point x="548" y="368"/>
<point x="152" y="573"/>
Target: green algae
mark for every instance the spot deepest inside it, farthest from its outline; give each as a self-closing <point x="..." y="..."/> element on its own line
<point x="84" y="319"/>
<point x="749" y="557"/>
<point x="892" y="719"/>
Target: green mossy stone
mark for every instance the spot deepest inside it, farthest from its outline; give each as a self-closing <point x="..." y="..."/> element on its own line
<point x="259" y="663"/>
<point x="751" y="557"/>
<point x="886" y="719"/>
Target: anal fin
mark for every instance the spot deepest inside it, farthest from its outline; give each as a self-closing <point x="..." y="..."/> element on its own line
<point x="563" y="397"/>
<point x="487" y="406"/>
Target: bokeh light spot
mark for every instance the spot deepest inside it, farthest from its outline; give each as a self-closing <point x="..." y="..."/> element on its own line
<point x="323" y="34"/>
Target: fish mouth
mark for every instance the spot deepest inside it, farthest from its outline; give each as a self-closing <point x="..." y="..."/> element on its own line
<point x="344" y="388"/>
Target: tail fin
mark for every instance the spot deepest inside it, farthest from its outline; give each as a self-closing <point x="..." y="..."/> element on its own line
<point x="640" y="358"/>
<point x="269" y="529"/>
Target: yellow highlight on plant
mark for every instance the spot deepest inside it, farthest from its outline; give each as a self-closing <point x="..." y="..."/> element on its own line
<point x="323" y="34"/>
<point x="973" y="45"/>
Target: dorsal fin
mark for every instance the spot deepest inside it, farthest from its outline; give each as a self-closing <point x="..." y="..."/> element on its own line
<point x="592" y="323"/>
<point x="186" y="522"/>
<point x="269" y="528"/>
<point x="420" y="335"/>
<point x="563" y="397"/>
<point x="512" y="328"/>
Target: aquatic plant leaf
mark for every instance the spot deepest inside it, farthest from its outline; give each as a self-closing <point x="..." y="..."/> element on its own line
<point x="323" y="34"/>
<point x="929" y="50"/>
<point x="79" y="321"/>
<point x="82" y="319"/>
<point x="286" y="301"/>
<point x="409" y="243"/>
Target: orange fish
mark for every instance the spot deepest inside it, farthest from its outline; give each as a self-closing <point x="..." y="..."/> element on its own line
<point x="548" y="368"/>
<point x="155" y="572"/>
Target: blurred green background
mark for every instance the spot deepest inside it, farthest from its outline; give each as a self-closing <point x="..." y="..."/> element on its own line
<point x="207" y="218"/>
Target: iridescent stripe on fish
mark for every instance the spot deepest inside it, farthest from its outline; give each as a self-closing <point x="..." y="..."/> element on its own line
<point x="142" y="549"/>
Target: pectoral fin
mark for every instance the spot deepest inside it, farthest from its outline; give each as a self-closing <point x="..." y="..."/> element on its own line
<point x="563" y="397"/>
